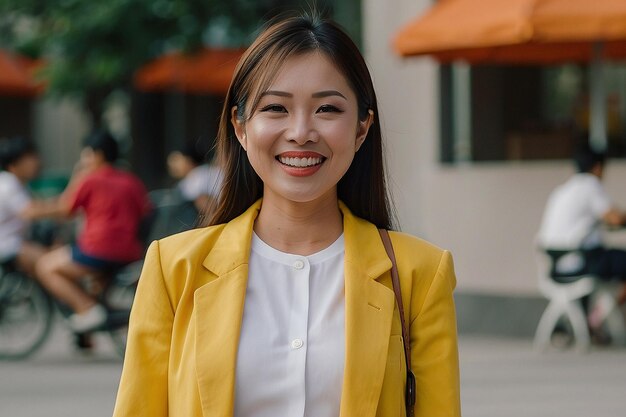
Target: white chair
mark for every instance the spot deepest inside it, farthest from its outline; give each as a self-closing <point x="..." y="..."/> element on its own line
<point x="565" y="301"/>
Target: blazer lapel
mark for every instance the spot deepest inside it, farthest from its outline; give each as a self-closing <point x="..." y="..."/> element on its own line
<point x="218" y="312"/>
<point x="217" y="321"/>
<point x="369" y="311"/>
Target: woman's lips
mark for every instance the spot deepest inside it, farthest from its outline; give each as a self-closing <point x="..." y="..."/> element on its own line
<point x="300" y="163"/>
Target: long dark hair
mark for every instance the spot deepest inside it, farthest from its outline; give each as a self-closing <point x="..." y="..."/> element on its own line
<point x="363" y="187"/>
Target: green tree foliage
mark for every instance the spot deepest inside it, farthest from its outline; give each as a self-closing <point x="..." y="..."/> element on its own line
<point x="93" y="47"/>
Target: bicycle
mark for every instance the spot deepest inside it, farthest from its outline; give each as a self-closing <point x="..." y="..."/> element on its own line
<point x="27" y="311"/>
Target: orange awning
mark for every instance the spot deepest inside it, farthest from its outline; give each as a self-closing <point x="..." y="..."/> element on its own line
<point x="208" y="71"/>
<point x="516" y="31"/>
<point x="17" y="75"/>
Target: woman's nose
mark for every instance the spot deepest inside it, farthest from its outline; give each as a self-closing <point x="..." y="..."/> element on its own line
<point x="302" y="130"/>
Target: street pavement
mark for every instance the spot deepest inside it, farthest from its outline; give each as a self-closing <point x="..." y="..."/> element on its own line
<point x="506" y="378"/>
<point x="499" y="378"/>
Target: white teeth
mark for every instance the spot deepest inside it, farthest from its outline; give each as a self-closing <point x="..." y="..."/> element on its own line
<point x="300" y="162"/>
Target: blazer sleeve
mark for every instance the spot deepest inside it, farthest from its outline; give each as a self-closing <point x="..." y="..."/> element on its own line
<point x="143" y="387"/>
<point x="434" y="350"/>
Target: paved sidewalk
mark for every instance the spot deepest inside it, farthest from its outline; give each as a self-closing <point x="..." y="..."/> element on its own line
<point x="505" y="378"/>
<point x="500" y="378"/>
<point x="58" y="382"/>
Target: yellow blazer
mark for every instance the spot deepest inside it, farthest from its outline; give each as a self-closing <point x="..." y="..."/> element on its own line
<point x="186" y="319"/>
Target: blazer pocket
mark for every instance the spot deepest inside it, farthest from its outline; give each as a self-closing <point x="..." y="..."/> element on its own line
<point x="391" y="402"/>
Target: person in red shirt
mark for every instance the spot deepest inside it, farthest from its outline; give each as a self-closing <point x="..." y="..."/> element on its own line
<point x="113" y="203"/>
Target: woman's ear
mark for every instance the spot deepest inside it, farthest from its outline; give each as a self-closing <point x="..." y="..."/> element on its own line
<point x="364" y="127"/>
<point x="239" y="128"/>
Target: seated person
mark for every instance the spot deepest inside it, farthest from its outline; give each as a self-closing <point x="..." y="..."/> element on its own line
<point x="199" y="182"/>
<point x="19" y="164"/>
<point x="113" y="203"/>
<point x="574" y="216"/>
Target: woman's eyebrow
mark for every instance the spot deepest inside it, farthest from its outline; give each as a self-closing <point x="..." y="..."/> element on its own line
<point x="319" y="94"/>
<point x="327" y="93"/>
<point x="276" y="93"/>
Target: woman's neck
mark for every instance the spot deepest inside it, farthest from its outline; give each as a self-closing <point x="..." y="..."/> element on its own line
<point x="299" y="228"/>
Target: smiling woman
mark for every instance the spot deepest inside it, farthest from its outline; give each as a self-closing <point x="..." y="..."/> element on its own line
<point x="300" y="129"/>
<point x="254" y="86"/>
<point x="290" y="303"/>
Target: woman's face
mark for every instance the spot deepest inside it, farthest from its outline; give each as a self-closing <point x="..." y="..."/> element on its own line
<point x="302" y="136"/>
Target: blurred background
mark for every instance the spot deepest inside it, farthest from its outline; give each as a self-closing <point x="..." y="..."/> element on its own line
<point x="473" y="150"/>
<point x="474" y="145"/>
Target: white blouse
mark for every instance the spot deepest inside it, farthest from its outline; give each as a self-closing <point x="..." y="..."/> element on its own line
<point x="292" y="346"/>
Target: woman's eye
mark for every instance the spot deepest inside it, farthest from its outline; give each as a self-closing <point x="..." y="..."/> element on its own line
<point x="274" y="108"/>
<point x="328" y="108"/>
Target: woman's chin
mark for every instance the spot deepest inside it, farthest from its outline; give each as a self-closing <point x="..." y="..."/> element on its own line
<point x="303" y="195"/>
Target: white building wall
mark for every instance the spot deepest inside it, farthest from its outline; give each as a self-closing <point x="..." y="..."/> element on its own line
<point x="59" y="128"/>
<point x="487" y="214"/>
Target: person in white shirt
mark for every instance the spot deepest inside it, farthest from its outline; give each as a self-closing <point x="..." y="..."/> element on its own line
<point x="574" y="217"/>
<point x="199" y="181"/>
<point x="19" y="164"/>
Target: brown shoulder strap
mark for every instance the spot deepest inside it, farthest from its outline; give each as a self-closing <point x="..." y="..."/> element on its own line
<point x="395" y="279"/>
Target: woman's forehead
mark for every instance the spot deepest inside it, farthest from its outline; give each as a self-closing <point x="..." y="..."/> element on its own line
<point x="308" y="73"/>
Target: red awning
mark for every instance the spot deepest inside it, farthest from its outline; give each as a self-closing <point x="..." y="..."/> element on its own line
<point x="516" y="31"/>
<point x="208" y="71"/>
<point x="17" y="75"/>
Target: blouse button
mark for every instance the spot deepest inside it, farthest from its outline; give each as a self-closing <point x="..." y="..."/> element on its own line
<point x="298" y="264"/>
<point x="297" y="343"/>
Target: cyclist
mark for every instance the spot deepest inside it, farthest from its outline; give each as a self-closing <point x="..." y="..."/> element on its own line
<point x="19" y="164"/>
<point x="113" y="203"/>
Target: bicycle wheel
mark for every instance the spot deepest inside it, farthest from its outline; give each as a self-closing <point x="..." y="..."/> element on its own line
<point x="119" y="299"/>
<point x="26" y="316"/>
